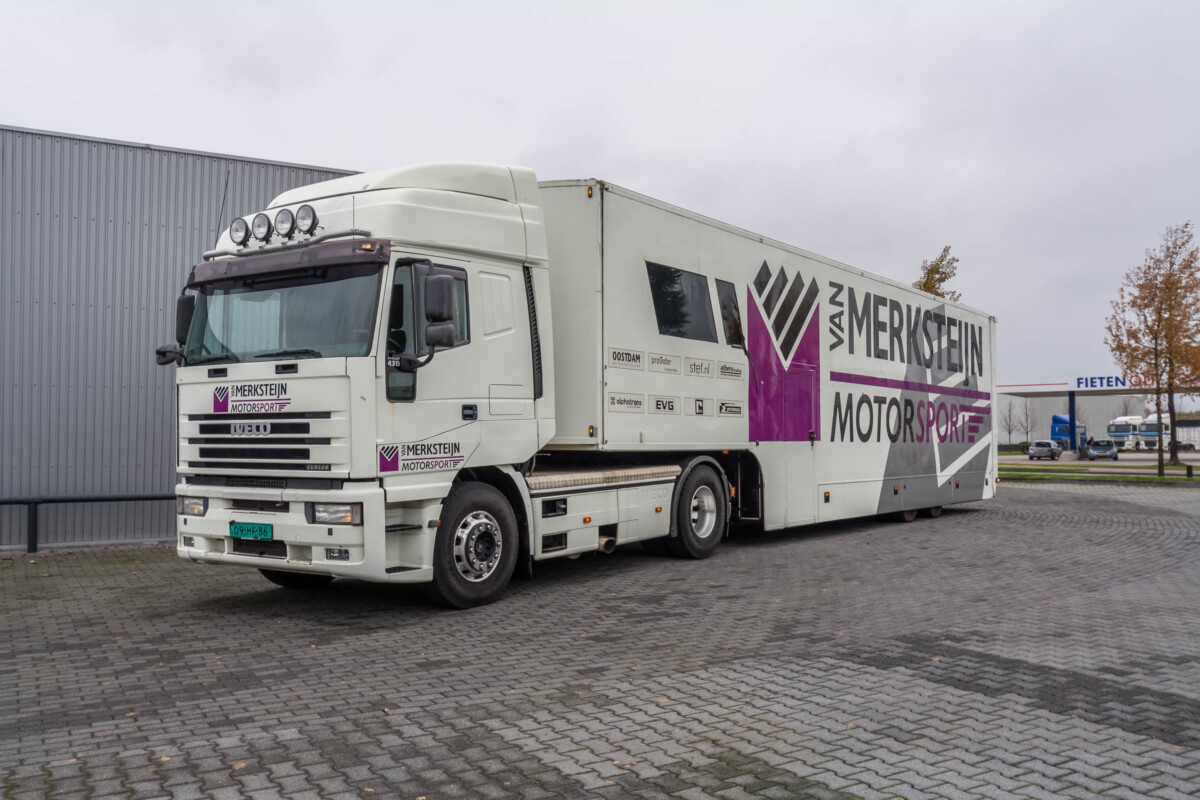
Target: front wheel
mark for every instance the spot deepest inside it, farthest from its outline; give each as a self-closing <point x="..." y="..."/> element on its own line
<point x="475" y="551"/>
<point x="296" y="580"/>
<point x="700" y="515"/>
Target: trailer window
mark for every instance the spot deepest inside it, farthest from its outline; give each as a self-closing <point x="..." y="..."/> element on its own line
<point x="681" y="303"/>
<point x="730" y="314"/>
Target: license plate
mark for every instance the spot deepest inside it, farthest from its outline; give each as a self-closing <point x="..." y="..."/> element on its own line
<point x="250" y="530"/>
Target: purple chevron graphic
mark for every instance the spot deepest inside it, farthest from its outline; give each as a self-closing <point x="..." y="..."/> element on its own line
<point x="389" y="460"/>
<point x="221" y="400"/>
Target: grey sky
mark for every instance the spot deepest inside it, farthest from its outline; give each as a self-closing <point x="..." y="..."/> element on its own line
<point x="1049" y="143"/>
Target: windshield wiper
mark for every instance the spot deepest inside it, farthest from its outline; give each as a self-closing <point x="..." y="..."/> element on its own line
<point x="212" y="358"/>
<point x="298" y="351"/>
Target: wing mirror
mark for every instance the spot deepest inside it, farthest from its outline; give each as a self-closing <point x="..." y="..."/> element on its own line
<point x="439" y="299"/>
<point x="185" y="308"/>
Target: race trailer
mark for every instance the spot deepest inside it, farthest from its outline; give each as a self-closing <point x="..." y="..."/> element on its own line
<point x="446" y="373"/>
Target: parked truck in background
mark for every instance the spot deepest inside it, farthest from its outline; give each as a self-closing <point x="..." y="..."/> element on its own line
<point x="1150" y="429"/>
<point x="1124" y="432"/>
<point x="445" y="373"/>
<point x="1060" y="431"/>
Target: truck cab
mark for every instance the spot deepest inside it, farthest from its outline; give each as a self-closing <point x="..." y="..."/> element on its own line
<point x="344" y="354"/>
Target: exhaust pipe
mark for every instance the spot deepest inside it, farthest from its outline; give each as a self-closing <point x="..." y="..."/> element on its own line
<point x="607" y="544"/>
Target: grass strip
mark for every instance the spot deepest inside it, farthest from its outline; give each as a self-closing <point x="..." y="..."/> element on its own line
<point x="1095" y="478"/>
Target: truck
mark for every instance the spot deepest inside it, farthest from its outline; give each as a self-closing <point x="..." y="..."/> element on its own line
<point x="1150" y="429"/>
<point x="1060" y="431"/>
<point x="1124" y="432"/>
<point x="446" y="373"/>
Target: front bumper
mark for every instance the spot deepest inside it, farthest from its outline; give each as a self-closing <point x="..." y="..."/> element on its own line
<point x="393" y="545"/>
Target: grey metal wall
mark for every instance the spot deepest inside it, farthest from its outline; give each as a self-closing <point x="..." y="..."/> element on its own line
<point x="96" y="238"/>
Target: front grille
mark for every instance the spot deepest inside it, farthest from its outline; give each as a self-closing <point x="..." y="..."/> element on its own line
<point x="286" y="441"/>
<point x="257" y="440"/>
<point x="264" y="415"/>
<point x="207" y="428"/>
<point x="280" y="466"/>
<point x="258" y="505"/>
<point x="273" y="453"/>
<point x="249" y="547"/>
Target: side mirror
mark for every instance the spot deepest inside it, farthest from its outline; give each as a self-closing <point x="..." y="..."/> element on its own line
<point x="168" y="354"/>
<point x="185" y="307"/>
<point x="439" y="334"/>
<point x="439" y="298"/>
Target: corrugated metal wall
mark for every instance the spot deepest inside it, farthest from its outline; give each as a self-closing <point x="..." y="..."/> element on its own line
<point x="96" y="239"/>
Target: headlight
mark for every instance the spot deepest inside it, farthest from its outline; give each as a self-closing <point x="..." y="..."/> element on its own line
<point x="239" y="231"/>
<point x="334" y="513"/>
<point x="306" y="219"/>
<point x="285" y="223"/>
<point x="191" y="506"/>
<point x="262" y="227"/>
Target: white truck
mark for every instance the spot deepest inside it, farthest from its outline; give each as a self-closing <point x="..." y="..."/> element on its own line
<point x="445" y="373"/>
<point x="1124" y="431"/>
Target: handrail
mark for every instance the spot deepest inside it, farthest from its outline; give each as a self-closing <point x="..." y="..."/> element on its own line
<point x="32" y="503"/>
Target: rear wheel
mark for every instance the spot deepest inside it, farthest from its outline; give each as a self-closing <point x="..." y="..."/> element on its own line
<point x="700" y="515"/>
<point x="908" y="515"/>
<point x="475" y="551"/>
<point x="296" y="580"/>
<point x="933" y="512"/>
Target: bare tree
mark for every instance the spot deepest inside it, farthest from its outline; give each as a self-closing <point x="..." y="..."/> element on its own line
<point x="1026" y="420"/>
<point x="1130" y="407"/>
<point x="1008" y="419"/>
<point x="1154" y="330"/>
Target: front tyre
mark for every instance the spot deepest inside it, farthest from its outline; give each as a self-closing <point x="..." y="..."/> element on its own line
<point x="475" y="551"/>
<point x="701" y="516"/>
<point x="296" y="580"/>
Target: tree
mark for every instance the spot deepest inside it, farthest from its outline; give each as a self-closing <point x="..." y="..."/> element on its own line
<point x="1130" y="407"/>
<point x="937" y="273"/>
<point x="1026" y="420"/>
<point x="1154" y="330"/>
<point x="1008" y="420"/>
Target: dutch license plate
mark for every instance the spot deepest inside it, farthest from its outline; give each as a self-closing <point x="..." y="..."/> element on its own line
<point x="250" y="530"/>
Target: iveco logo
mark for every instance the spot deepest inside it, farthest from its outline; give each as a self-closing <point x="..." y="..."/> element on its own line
<point x="250" y="428"/>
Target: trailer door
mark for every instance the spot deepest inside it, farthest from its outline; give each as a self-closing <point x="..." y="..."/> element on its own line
<point x="799" y="420"/>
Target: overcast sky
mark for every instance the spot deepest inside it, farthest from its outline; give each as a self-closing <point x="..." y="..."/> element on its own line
<point x="1049" y="143"/>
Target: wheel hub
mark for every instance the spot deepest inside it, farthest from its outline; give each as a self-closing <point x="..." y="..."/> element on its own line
<point x="478" y="545"/>
<point x="704" y="512"/>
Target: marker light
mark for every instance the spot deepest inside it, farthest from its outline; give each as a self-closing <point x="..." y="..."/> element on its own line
<point x="261" y="227"/>
<point x="335" y="513"/>
<point x="306" y="219"/>
<point x="191" y="506"/>
<point x="285" y="223"/>
<point x="239" y="231"/>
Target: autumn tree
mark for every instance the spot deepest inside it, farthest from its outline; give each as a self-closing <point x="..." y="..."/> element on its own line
<point x="1154" y="330"/>
<point x="937" y="273"/>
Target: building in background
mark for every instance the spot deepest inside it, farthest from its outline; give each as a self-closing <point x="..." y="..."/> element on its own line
<point x="96" y="240"/>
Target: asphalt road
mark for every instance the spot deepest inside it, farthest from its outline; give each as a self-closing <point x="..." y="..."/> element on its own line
<point x="1046" y="643"/>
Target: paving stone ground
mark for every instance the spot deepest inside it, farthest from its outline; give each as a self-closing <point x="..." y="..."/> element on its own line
<point x="1046" y="643"/>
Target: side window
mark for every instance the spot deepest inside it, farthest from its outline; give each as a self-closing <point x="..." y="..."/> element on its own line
<point x="400" y="385"/>
<point x="730" y="315"/>
<point x="681" y="303"/>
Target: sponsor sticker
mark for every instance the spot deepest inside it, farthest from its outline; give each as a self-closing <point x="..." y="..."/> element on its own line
<point x="663" y="405"/>
<point x="626" y="359"/>
<point x="728" y="408"/>
<point x="733" y="372"/>
<point x="626" y="403"/>
<point x="250" y="398"/>
<point x="698" y="366"/>
<point x="697" y="407"/>
<point x="420" y="456"/>
<point x="661" y="362"/>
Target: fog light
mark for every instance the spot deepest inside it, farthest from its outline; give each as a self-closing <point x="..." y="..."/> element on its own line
<point x="261" y="227"/>
<point x="239" y="231"/>
<point x="285" y="223"/>
<point x="189" y="541"/>
<point x="306" y="219"/>
<point x="334" y="513"/>
<point x="191" y="506"/>
<point x="337" y="554"/>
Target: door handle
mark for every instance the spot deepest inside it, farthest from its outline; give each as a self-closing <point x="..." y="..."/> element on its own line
<point x="470" y="412"/>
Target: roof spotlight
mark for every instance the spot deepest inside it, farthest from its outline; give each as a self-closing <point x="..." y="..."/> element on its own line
<point x="261" y="227"/>
<point x="285" y="223"/>
<point x="239" y="231"/>
<point x="306" y="219"/>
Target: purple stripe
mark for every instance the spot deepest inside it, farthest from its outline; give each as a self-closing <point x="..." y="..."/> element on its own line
<point x="436" y="458"/>
<point x="908" y="386"/>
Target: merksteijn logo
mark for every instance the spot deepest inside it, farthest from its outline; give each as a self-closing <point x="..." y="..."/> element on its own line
<point x="221" y="400"/>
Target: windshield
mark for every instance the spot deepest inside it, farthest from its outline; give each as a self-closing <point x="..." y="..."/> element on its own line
<point x="1102" y="443"/>
<point x="316" y="313"/>
<point x="1149" y="427"/>
<point x="1120" y="428"/>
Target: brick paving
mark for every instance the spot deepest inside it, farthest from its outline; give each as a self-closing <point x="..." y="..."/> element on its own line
<point x="1044" y="644"/>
